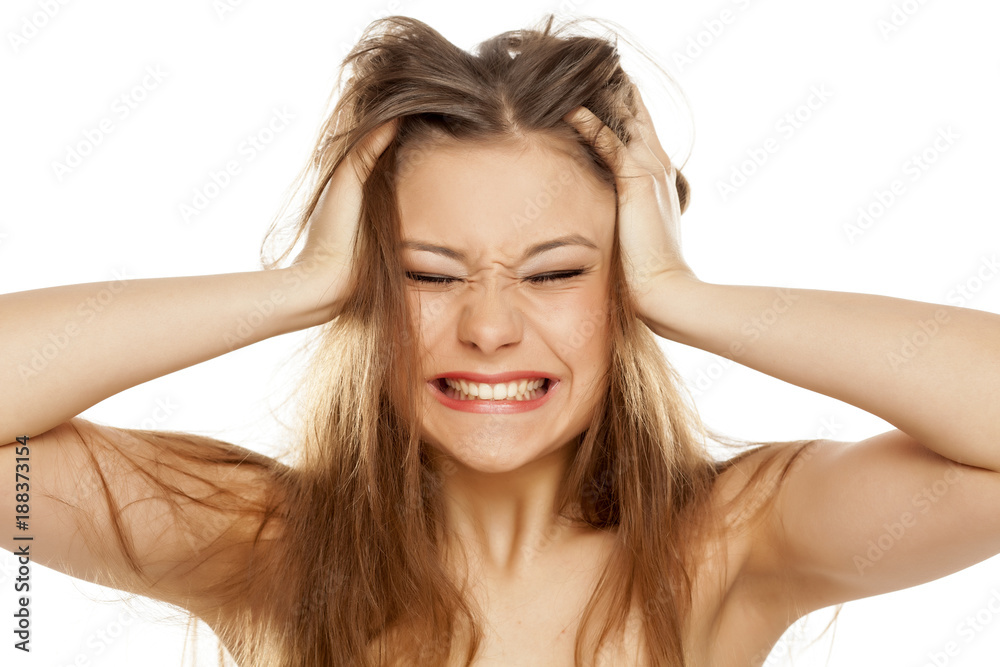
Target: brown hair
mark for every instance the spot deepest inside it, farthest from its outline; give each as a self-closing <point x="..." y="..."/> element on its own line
<point x="356" y="577"/>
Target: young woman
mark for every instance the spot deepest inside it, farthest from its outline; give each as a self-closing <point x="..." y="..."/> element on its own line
<point x="497" y="464"/>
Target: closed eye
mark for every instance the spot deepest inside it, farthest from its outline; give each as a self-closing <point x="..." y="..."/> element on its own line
<point x="552" y="277"/>
<point x="538" y="280"/>
<point x="423" y="278"/>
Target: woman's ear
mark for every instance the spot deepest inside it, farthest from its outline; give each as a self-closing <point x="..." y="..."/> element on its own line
<point x="683" y="190"/>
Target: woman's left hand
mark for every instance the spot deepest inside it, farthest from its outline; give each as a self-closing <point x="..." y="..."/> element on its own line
<point x="649" y="210"/>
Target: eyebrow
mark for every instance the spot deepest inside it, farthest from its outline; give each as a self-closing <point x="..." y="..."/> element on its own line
<point x="537" y="249"/>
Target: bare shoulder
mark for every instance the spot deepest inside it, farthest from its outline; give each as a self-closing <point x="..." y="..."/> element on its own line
<point x="740" y="610"/>
<point x="169" y="516"/>
<point x="745" y="487"/>
<point x="848" y="520"/>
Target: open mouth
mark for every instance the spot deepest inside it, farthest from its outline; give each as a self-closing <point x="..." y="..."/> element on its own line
<point x="522" y="390"/>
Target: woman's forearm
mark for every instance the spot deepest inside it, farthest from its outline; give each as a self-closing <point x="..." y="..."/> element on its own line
<point x="932" y="371"/>
<point x="64" y="349"/>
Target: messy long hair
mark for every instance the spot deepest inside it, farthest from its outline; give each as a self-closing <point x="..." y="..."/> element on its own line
<point x="355" y="575"/>
<point x="364" y="536"/>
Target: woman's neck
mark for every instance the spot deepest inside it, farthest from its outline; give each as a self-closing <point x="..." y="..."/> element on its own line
<point x="502" y="522"/>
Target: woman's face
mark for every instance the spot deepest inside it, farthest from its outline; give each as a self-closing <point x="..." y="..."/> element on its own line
<point x="482" y="225"/>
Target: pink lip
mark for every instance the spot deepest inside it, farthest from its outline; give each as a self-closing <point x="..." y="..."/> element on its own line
<point x="494" y="407"/>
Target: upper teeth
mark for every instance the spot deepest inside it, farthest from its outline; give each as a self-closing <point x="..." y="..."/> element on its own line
<point x="496" y="392"/>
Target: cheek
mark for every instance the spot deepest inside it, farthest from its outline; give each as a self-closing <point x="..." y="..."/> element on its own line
<point x="580" y="326"/>
<point x="432" y="321"/>
<point x="432" y="311"/>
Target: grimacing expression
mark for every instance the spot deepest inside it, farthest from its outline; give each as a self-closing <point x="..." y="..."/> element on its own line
<point x="469" y="212"/>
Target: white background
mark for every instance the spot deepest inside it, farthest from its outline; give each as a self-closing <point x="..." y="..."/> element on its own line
<point x="225" y="72"/>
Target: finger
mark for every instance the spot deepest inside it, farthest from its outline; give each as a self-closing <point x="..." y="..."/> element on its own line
<point x="368" y="150"/>
<point x="343" y="191"/>
<point x="643" y="118"/>
<point x="599" y="135"/>
<point x="644" y="123"/>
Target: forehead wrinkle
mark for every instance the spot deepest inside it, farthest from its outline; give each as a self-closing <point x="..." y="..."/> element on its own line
<point x="537" y="249"/>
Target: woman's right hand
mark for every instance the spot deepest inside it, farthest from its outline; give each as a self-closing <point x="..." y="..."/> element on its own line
<point x="325" y="264"/>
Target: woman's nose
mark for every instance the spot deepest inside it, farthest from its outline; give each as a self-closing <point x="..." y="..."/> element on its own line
<point x="490" y="321"/>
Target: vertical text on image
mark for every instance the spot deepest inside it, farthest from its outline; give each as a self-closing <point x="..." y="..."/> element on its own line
<point x="22" y="514"/>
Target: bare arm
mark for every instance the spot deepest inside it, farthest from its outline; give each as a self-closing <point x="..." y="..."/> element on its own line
<point x="68" y="348"/>
<point x="166" y="515"/>
<point x="850" y="519"/>
<point x="64" y="349"/>
<point x="930" y="370"/>
<point x="897" y="509"/>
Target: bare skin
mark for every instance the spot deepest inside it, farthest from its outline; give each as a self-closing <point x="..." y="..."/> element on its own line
<point x="492" y="319"/>
<point x="936" y="474"/>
